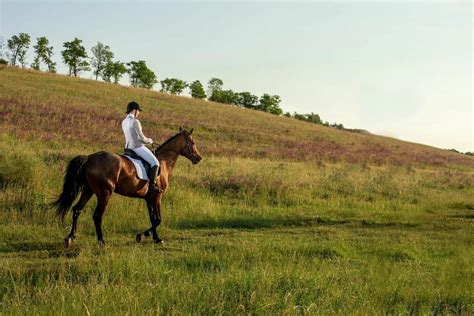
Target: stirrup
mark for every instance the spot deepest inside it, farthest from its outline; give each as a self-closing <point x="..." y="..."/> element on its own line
<point x="154" y="187"/>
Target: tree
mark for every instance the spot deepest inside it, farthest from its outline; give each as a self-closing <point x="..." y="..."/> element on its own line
<point x="48" y="60"/>
<point x="75" y="57"/>
<point x="247" y="100"/>
<point x="140" y="75"/>
<point x="197" y="90"/>
<point x="225" y="96"/>
<point x="337" y="125"/>
<point x="300" y="117"/>
<point x="214" y="85"/>
<point x="101" y="56"/>
<point x="18" y="46"/>
<point x="44" y="53"/>
<point x="3" y="61"/>
<point x="270" y="103"/>
<point x="173" y="85"/>
<point x="313" y="118"/>
<point x="113" y="70"/>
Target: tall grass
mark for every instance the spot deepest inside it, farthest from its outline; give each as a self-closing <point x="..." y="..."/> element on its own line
<point x="257" y="227"/>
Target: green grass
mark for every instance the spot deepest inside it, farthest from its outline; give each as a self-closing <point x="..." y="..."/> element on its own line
<point x="244" y="232"/>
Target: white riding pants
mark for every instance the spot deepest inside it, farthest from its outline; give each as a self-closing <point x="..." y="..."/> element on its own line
<point x="146" y="154"/>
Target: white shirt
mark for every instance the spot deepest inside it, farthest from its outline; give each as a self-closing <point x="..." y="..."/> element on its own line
<point x="132" y="129"/>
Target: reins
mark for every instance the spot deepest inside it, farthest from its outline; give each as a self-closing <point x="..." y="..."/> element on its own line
<point x="163" y="148"/>
<point x="188" y="146"/>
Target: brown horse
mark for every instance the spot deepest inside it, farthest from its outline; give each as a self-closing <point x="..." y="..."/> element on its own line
<point x="104" y="173"/>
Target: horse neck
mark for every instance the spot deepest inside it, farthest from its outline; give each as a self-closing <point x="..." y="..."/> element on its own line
<point x="168" y="158"/>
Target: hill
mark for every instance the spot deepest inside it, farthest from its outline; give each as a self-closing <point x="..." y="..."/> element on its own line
<point x="50" y="107"/>
<point x="280" y="217"/>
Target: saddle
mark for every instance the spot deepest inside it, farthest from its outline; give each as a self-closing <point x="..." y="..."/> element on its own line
<point x="130" y="153"/>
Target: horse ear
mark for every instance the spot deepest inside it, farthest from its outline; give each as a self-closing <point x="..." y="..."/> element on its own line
<point x="191" y="131"/>
<point x="180" y="129"/>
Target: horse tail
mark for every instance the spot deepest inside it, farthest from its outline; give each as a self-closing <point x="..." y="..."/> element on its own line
<point x="74" y="182"/>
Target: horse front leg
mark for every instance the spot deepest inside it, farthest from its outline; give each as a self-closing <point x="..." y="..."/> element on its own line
<point x="157" y="222"/>
<point x="154" y="212"/>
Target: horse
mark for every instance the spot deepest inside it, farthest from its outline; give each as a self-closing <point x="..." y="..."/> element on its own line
<point x="103" y="173"/>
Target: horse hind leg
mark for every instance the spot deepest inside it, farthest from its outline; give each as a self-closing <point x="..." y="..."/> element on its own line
<point x="102" y="202"/>
<point x="76" y="211"/>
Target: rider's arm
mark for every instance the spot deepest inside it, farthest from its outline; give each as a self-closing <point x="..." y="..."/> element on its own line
<point x="138" y="130"/>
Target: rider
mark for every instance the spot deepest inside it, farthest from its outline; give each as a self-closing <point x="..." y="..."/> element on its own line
<point x="135" y="140"/>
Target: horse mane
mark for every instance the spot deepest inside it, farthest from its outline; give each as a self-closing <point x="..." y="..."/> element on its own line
<point x="169" y="140"/>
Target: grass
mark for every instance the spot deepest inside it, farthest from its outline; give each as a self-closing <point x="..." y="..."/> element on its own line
<point x="257" y="227"/>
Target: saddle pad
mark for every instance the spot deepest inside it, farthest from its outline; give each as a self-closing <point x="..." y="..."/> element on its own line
<point x="141" y="172"/>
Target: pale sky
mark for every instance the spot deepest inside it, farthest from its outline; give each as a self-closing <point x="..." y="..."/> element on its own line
<point x="396" y="68"/>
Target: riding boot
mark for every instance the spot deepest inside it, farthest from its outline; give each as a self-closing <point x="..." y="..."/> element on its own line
<point x="152" y="182"/>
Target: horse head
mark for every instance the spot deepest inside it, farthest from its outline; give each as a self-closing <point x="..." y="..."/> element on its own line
<point x="189" y="149"/>
<point x="182" y="144"/>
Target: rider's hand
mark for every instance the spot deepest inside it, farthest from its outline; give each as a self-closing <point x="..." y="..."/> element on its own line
<point x="150" y="141"/>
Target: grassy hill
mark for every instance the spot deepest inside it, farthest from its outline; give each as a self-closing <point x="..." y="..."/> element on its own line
<point x="281" y="216"/>
<point x="52" y="107"/>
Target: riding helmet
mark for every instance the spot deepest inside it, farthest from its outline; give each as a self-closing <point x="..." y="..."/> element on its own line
<point x="133" y="106"/>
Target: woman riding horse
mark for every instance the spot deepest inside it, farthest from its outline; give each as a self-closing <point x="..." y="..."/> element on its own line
<point x="135" y="140"/>
<point x="104" y="173"/>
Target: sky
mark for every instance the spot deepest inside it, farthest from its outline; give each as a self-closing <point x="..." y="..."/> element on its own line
<point x="396" y="68"/>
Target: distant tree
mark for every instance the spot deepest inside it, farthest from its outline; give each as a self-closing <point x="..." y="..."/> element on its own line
<point x="75" y="57"/>
<point x="337" y="125"/>
<point x="270" y="103"/>
<point x="247" y="100"/>
<point x="2" y="46"/>
<point x="43" y="53"/>
<point x="18" y="46"/>
<point x="113" y="70"/>
<point x="101" y="56"/>
<point x="214" y="85"/>
<point x="3" y="61"/>
<point x="469" y="153"/>
<point x="140" y="75"/>
<point x="173" y="85"/>
<point x="300" y="117"/>
<point x="287" y="114"/>
<point x="313" y="118"/>
<point x="197" y="90"/>
<point x="225" y="96"/>
<point x="48" y="60"/>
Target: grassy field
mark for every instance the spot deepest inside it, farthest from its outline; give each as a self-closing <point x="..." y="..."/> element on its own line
<point x="281" y="216"/>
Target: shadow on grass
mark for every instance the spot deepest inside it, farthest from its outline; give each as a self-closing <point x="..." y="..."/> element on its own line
<point x="464" y="216"/>
<point x="260" y="222"/>
<point x="370" y="223"/>
<point x="47" y="249"/>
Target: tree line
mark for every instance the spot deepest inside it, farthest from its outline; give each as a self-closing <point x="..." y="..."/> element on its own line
<point x="102" y="64"/>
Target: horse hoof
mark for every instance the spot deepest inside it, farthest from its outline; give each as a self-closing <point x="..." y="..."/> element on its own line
<point x="147" y="234"/>
<point x="67" y="242"/>
<point x="138" y="238"/>
<point x="158" y="241"/>
<point x="101" y="243"/>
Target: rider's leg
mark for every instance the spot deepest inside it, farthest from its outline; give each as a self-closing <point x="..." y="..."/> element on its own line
<point x="146" y="154"/>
